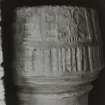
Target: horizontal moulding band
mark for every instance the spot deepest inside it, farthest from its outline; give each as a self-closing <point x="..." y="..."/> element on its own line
<point x="51" y="44"/>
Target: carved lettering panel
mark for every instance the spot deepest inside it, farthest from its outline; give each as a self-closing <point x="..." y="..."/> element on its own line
<point x="65" y="23"/>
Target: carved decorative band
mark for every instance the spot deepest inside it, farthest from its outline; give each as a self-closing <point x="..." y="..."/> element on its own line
<point x="70" y="92"/>
<point x="50" y="61"/>
<point x="56" y="80"/>
<point x="56" y="23"/>
<point x="48" y="44"/>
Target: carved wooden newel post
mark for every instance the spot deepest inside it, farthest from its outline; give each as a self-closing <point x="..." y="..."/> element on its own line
<point x="58" y="53"/>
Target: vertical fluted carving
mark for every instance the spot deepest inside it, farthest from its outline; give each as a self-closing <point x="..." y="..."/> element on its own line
<point x="58" y="51"/>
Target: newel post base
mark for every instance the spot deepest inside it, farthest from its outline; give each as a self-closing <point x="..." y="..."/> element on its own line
<point x="66" y="98"/>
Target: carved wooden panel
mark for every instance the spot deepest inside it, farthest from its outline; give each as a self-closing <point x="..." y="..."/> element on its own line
<point x="57" y="40"/>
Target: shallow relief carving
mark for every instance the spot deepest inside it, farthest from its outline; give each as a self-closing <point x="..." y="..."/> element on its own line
<point x="57" y="23"/>
<point x="55" y="32"/>
<point x="57" y="49"/>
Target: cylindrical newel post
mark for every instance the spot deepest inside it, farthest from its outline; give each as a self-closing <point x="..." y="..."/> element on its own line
<point x="58" y="52"/>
